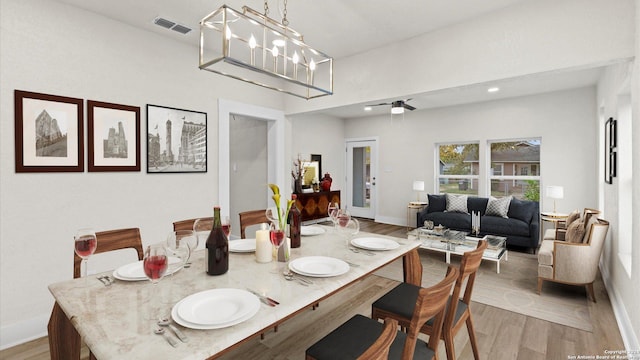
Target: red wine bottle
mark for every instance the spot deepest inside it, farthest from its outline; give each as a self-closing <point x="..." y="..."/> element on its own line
<point x="217" y="246"/>
<point x="294" y="221"/>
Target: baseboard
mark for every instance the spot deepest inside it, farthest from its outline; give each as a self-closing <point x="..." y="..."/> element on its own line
<point x="19" y="333"/>
<point x="629" y="337"/>
<point x="391" y="220"/>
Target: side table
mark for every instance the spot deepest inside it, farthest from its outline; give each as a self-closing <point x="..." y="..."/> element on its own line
<point x="414" y="205"/>
<point x="553" y="218"/>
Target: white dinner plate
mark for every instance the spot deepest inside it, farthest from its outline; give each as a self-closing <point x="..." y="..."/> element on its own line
<point x="374" y="243"/>
<point x="135" y="271"/>
<point x="319" y="266"/>
<point x="311" y="230"/>
<point x="215" y="308"/>
<point x="242" y="245"/>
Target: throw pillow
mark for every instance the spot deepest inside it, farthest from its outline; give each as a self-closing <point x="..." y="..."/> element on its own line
<point x="457" y="203"/>
<point x="498" y="207"/>
<point x="573" y="216"/>
<point x="437" y="203"/>
<point x="575" y="232"/>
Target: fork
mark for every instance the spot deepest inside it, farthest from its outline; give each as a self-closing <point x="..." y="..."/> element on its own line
<point x="105" y="279"/>
<point x="357" y="251"/>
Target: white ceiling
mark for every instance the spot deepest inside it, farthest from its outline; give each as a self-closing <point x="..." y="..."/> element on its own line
<point x="368" y="24"/>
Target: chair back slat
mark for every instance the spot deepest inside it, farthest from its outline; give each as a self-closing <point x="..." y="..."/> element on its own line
<point x="431" y="302"/>
<point x="187" y="224"/>
<point x="469" y="265"/>
<point x="113" y="240"/>
<point x="379" y="350"/>
<point x="252" y="217"/>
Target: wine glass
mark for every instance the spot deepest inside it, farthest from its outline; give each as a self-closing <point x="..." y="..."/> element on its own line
<point x="332" y="210"/>
<point x="178" y="249"/>
<point x="155" y="265"/>
<point x="202" y="227"/>
<point x="347" y="225"/>
<point x="86" y="243"/>
<point x="226" y="225"/>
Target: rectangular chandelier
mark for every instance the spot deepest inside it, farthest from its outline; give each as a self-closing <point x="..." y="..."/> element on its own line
<point x="252" y="47"/>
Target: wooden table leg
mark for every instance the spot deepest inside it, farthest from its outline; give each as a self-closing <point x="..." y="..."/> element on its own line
<point x="412" y="267"/>
<point x="64" y="340"/>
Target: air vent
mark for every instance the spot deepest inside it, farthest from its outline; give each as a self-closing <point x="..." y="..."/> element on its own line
<point x="167" y="24"/>
<point x="171" y="25"/>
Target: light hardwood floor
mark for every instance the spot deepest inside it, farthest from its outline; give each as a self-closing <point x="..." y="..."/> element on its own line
<point x="501" y="334"/>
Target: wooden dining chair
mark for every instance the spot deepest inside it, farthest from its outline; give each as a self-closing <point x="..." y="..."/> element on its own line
<point x="59" y="326"/>
<point x="188" y="224"/>
<point x="113" y="240"/>
<point x="352" y="339"/>
<point x="252" y="217"/>
<point x="399" y="304"/>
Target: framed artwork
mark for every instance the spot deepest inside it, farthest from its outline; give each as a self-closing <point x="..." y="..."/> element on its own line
<point x="114" y="137"/>
<point x="176" y="140"/>
<point x="610" y="149"/>
<point x="48" y="133"/>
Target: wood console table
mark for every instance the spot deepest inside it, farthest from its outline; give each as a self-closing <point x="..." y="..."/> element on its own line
<point x="313" y="206"/>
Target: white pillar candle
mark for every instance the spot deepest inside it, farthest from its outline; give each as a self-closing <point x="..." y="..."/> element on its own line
<point x="263" y="246"/>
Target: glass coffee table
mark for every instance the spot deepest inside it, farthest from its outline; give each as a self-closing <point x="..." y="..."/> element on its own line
<point x="458" y="242"/>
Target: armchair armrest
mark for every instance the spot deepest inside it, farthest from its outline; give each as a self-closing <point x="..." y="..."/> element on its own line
<point x="575" y="263"/>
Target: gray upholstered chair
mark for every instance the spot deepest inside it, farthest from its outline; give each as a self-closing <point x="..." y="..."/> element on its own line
<point x="574" y="263"/>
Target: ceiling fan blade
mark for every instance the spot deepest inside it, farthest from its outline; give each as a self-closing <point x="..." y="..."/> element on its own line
<point x="409" y="107"/>
<point x="379" y="104"/>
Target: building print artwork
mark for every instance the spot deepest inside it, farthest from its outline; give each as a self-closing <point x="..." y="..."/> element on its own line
<point x="49" y="133"/>
<point x="115" y="145"/>
<point x="176" y="140"/>
<point x="50" y="141"/>
<point x="114" y="137"/>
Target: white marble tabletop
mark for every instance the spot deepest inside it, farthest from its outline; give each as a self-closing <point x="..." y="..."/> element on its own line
<point x="114" y="320"/>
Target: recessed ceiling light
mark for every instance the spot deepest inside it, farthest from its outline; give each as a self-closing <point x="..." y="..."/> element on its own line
<point x="368" y="108"/>
<point x="493" y="89"/>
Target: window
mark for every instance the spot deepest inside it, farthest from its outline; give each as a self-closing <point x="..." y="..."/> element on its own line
<point x="519" y="164"/>
<point x="458" y="168"/>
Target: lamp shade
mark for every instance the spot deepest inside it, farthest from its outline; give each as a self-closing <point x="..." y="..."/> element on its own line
<point x="418" y="185"/>
<point x="555" y="192"/>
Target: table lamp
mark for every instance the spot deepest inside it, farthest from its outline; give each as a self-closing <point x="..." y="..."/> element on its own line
<point x="555" y="192"/>
<point x="418" y="186"/>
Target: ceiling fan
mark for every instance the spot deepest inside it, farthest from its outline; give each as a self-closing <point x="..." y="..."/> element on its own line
<point x="398" y="106"/>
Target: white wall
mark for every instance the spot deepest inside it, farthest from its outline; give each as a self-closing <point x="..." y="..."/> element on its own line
<point x="91" y="57"/>
<point x="622" y="284"/>
<point x="565" y="121"/>
<point x="527" y="38"/>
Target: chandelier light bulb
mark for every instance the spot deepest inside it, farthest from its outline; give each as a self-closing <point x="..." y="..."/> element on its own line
<point x="274" y="51"/>
<point x="295" y="58"/>
<point x="312" y="65"/>
<point x="252" y="42"/>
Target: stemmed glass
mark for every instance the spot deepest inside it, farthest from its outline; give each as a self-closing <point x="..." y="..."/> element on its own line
<point x="86" y="243"/>
<point x="347" y="225"/>
<point x="226" y="225"/>
<point x="178" y="254"/>
<point x="155" y="265"/>
<point x="332" y="210"/>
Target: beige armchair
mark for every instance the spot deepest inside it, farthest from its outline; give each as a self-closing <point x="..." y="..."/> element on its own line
<point x="560" y="229"/>
<point x="574" y="263"/>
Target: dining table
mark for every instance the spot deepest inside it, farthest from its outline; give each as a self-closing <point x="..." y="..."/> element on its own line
<point x="118" y="320"/>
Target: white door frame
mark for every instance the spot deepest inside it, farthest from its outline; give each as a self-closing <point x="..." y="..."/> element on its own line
<point x="275" y="145"/>
<point x="372" y="212"/>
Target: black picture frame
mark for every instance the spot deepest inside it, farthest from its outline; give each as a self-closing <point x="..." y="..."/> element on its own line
<point x="113" y="137"/>
<point x="610" y="148"/>
<point x="187" y="129"/>
<point x="58" y="149"/>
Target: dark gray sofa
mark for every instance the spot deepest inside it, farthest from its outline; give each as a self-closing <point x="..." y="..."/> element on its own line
<point x="521" y="228"/>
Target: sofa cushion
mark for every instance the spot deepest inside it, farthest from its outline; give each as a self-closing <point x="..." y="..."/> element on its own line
<point x="498" y="207"/>
<point x="522" y="210"/>
<point x="477" y="204"/>
<point x="457" y="203"/>
<point x="456" y="221"/>
<point x="573" y="216"/>
<point x="503" y="226"/>
<point x="437" y="203"/>
<point x="575" y="232"/>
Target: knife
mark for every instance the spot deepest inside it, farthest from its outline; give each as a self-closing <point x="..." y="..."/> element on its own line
<point x="178" y="333"/>
<point x="267" y="300"/>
